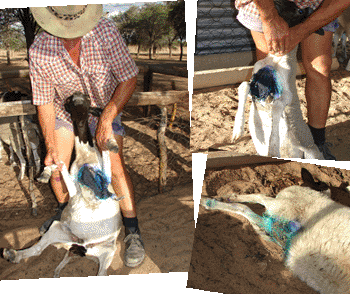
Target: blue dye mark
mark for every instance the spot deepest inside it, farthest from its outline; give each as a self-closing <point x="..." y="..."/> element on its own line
<point x="280" y="229"/>
<point x="265" y="83"/>
<point x="210" y="203"/>
<point x="96" y="180"/>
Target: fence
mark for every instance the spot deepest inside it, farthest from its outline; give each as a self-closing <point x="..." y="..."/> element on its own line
<point x="148" y="142"/>
<point x="218" y="31"/>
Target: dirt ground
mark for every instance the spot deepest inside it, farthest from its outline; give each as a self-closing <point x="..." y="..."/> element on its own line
<point x="166" y="220"/>
<point x="214" y="112"/>
<point x="228" y="256"/>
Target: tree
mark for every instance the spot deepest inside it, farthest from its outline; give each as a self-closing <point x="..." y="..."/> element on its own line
<point x="7" y="20"/>
<point x="153" y="24"/>
<point x="177" y="19"/>
<point x="31" y="28"/>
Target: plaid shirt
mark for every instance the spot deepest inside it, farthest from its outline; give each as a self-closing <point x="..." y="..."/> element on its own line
<point x="249" y="8"/>
<point x="104" y="63"/>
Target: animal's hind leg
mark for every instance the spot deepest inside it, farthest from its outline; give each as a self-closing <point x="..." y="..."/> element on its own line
<point x="237" y="208"/>
<point x="62" y="264"/>
<point x="56" y="234"/>
<point x="105" y="253"/>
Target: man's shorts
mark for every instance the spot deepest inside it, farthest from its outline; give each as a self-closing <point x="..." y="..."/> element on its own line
<point x="118" y="129"/>
<point x="255" y="24"/>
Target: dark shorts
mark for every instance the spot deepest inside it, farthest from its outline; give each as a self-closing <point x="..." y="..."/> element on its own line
<point x="118" y="129"/>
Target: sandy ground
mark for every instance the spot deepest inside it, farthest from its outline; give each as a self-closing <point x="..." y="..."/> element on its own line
<point x="166" y="220"/>
<point x="228" y="256"/>
<point x="214" y="111"/>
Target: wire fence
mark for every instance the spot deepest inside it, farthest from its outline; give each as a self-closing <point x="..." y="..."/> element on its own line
<point x="141" y="158"/>
<point x="218" y="31"/>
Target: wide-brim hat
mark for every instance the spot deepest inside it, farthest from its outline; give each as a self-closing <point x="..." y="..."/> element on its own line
<point x="71" y="21"/>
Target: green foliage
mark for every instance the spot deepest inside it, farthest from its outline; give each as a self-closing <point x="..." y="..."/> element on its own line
<point x="150" y="27"/>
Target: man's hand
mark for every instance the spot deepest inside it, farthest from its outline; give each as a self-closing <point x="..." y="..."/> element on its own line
<point x="104" y="132"/>
<point x="277" y="35"/>
<point x="52" y="158"/>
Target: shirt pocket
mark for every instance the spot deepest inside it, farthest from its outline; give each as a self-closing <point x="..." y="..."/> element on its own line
<point x="100" y="75"/>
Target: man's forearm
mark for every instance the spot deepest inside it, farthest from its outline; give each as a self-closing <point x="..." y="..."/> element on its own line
<point x="327" y="12"/>
<point x="46" y="116"/>
<point x="266" y="9"/>
<point x="120" y="97"/>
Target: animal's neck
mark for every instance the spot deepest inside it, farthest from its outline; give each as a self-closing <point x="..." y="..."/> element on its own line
<point x="83" y="132"/>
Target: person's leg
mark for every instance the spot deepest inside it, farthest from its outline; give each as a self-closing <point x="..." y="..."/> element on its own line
<point x="121" y="182"/>
<point x="317" y="61"/>
<point x="65" y="141"/>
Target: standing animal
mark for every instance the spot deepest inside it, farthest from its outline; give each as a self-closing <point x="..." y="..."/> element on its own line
<point x="91" y="221"/>
<point x="312" y="229"/>
<point x="342" y="33"/>
<point x="276" y="123"/>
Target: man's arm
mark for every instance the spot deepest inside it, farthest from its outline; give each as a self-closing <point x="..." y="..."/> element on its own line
<point x="46" y="116"/>
<point x="328" y="11"/>
<point x="276" y="30"/>
<point x="114" y="107"/>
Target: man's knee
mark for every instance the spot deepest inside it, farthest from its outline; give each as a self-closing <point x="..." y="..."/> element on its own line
<point x="319" y="68"/>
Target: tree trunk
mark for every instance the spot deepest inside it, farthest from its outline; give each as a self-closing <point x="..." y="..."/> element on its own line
<point x="150" y="52"/>
<point x="8" y="57"/>
<point x="170" y="51"/>
<point x="181" y="50"/>
<point x="138" y="50"/>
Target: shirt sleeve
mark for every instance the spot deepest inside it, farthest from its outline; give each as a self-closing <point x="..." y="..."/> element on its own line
<point x="42" y="89"/>
<point x="122" y="65"/>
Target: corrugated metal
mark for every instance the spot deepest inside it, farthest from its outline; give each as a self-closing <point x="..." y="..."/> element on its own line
<point x="218" y="31"/>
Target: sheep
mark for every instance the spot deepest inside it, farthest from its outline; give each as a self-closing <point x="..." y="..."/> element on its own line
<point x="343" y="33"/>
<point x="91" y="221"/>
<point x="312" y="229"/>
<point x="276" y="123"/>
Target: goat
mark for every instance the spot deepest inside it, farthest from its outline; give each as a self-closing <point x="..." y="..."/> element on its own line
<point x="344" y="28"/>
<point x="276" y="123"/>
<point x="91" y="221"/>
<point x="313" y="230"/>
<point x="11" y="135"/>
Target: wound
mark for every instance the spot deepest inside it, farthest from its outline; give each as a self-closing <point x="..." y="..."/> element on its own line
<point x="58" y="179"/>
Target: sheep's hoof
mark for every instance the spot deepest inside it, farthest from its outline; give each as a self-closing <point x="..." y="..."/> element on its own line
<point x="34" y="211"/>
<point x="8" y="254"/>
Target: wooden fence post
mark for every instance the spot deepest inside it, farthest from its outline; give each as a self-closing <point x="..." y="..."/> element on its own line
<point x="163" y="157"/>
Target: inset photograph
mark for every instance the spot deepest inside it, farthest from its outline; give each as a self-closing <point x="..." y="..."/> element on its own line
<point x="94" y="136"/>
<point x="268" y="225"/>
<point x="255" y="96"/>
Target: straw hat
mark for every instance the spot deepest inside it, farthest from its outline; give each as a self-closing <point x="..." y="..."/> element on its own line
<point x="69" y="21"/>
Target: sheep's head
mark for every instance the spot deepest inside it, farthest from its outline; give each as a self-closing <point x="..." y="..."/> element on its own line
<point x="78" y="106"/>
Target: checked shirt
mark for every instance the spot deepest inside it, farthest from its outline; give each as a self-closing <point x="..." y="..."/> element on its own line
<point x="104" y="63"/>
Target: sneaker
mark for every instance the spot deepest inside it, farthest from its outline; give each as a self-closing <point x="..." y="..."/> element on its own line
<point x="134" y="249"/>
<point x="46" y="225"/>
<point x="324" y="149"/>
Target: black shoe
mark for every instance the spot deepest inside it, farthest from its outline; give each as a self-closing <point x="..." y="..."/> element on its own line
<point x="134" y="248"/>
<point x="324" y="149"/>
<point x="46" y="225"/>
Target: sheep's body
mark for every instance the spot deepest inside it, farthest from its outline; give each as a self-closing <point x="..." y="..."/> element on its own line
<point x="344" y="27"/>
<point x="319" y="253"/>
<point x="277" y="128"/>
<point x="89" y="225"/>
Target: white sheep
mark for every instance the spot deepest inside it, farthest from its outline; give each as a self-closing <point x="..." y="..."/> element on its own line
<point x="313" y="230"/>
<point x="276" y="124"/>
<point x="344" y="28"/>
<point x="91" y="221"/>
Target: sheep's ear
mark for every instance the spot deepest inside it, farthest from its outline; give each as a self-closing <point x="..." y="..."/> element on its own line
<point x="310" y="182"/>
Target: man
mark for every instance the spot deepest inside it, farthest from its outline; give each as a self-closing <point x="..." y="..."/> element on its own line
<point x="272" y="34"/>
<point x="82" y="51"/>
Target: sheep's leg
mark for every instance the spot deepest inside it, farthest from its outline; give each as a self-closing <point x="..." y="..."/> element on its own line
<point x="62" y="264"/>
<point x="46" y="174"/>
<point x="105" y="253"/>
<point x="1" y="149"/>
<point x="274" y="142"/>
<point x="237" y="208"/>
<point x="238" y="129"/>
<point x="337" y="35"/>
<point x="22" y="164"/>
<point x="57" y="233"/>
<point x="347" y="37"/>
<point x="36" y="157"/>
